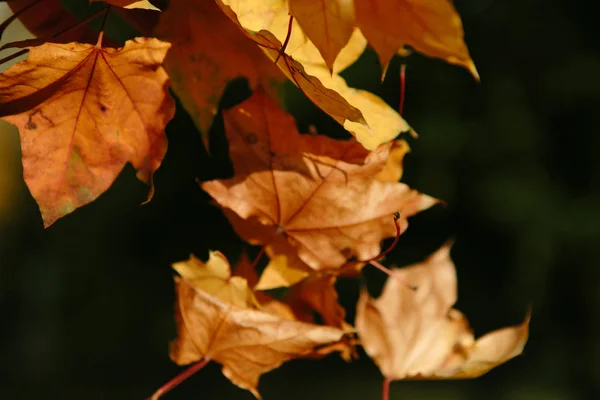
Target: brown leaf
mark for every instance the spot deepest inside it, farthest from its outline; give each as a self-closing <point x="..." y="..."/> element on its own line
<point x="417" y="335"/>
<point x="318" y="200"/>
<point x="208" y="52"/>
<point x="83" y="111"/>
<point x="245" y="341"/>
<point x="432" y="27"/>
<point x="327" y="23"/>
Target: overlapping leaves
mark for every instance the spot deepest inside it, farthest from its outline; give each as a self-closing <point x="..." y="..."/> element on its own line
<point x="319" y="208"/>
<point x="315" y="193"/>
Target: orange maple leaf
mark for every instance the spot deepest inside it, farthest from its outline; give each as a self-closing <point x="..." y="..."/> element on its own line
<point x="312" y="192"/>
<point x="208" y="52"/>
<point x="245" y="340"/>
<point x="415" y="334"/>
<point x="432" y="27"/>
<point x="83" y="111"/>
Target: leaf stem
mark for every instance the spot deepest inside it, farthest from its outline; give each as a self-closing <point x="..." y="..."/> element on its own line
<point x="394" y="243"/>
<point x="191" y="370"/>
<point x="386" y="389"/>
<point x="287" y="39"/>
<point x="402" y="88"/>
<point x="101" y="34"/>
<point x="258" y="257"/>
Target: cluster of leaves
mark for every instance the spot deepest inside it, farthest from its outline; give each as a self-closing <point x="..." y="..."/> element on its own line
<point x="318" y="207"/>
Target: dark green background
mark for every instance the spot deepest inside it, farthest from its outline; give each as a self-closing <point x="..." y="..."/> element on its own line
<point x="86" y="305"/>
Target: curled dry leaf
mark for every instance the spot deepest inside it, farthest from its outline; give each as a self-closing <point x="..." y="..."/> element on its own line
<point x="431" y="27"/>
<point x="83" y="111"/>
<point x="363" y="114"/>
<point x="278" y="274"/>
<point x="214" y="277"/>
<point x="417" y="335"/>
<point x="246" y="341"/>
<point x="208" y="52"/>
<point x="303" y="190"/>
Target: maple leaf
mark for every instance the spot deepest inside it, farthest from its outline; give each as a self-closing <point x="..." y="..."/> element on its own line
<point x="363" y="114"/>
<point x="214" y="277"/>
<point x="130" y="4"/>
<point x="303" y="190"/>
<point x="431" y="27"/>
<point x="208" y="52"/>
<point x="417" y="335"/>
<point x="327" y="23"/>
<point x="247" y="342"/>
<point x="83" y="111"/>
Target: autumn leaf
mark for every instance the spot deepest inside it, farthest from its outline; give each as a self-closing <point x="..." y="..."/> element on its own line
<point x="431" y="27"/>
<point x="247" y="342"/>
<point x="363" y="114"/>
<point x="208" y="52"/>
<point x="327" y="23"/>
<point x="415" y="334"/>
<point x="131" y="4"/>
<point x="278" y="274"/>
<point x="214" y="277"/>
<point x="302" y="190"/>
<point x="83" y="111"/>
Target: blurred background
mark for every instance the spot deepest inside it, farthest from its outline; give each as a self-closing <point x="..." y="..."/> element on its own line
<point x="86" y="306"/>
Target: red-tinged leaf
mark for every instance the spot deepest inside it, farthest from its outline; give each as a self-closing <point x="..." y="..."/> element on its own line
<point x="312" y="192"/>
<point x="208" y="52"/>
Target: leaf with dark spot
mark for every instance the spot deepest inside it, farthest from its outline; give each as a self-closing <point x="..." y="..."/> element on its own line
<point x="68" y="100"/>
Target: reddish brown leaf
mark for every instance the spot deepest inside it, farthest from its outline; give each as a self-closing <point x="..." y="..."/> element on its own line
<point x="318" y="200"/>
<point x="83" y="111"/>
<point x="208" y="52"/>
